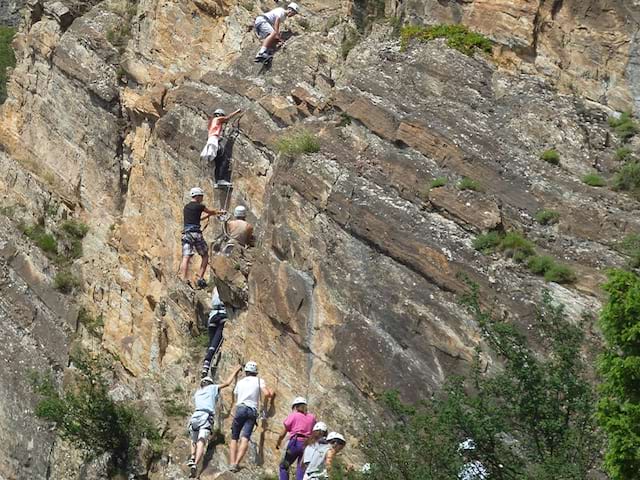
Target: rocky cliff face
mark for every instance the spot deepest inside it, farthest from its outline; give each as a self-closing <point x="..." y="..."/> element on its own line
<point x="352" y="287"/>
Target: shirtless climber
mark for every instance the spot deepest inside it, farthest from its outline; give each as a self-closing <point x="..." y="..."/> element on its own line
<point x="267" y="28"/>
<point x="238" y="230"/>
<point x="210" y="151"/>
<point x="192" y="240"/>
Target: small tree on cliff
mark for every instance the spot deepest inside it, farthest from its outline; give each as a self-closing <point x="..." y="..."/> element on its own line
<point x="533" y="420"/>
<point x="619" y="405"/>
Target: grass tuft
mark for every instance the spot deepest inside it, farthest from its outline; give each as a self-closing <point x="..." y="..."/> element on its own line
<point x="487" y="241"/>
<point x="630" y="245"/>
<point x="298" y="143"/>
<point x="458" y="37"/>
<point x="547" y="217"/>
<point x="45" y="241"/>
<point x="623" y="154"/>
<point x="594" y="180"/>
<point x="469" y="184"/>
<point x="551" y="156"/>
<point x="65" y="281"/>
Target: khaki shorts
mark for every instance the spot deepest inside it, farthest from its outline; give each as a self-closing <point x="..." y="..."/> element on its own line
<point x="200" y="434"/>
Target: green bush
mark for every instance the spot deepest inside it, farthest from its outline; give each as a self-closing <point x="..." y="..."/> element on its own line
<point x="619" y="366"/>
<point x="45" y="241"/>
<point x="547" y="217"/>
<point x="350" y="39"/>
<point x="7" y="58"/>
<point x="438" y="182"/>
<point x="560" y="274"/>
<point x="458" y="37"/>
<point x="298" y="143"/>
<point x="540" y="264"/>
<point x="86" y="415"/>
<point x="628" y="178"/>
<point x="65" y="281"/>
<point x="91" y="323"/>
<point x="630" y="245"/>
<point x="75" y="228"/>
<point x="623" y="153"/>
<point x="624" y="126"/>
<point x="516" y="246"/>
<point x="469" y="184"/>
<point x="487" y="241"/>
<point x="345" y="120"/>
<point x="594" y="180"/>
<point x="551" y="156"/>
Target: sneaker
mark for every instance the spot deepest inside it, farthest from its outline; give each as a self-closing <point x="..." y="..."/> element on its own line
<point x="261" y="57"/>
<point x="191" y="462"/>
<point x="201" y="283"/>
<point x="204" y="372"/>
<point x="193" y="471"/>
<point x="234" y="467"/>
<point x="222" y="183"/>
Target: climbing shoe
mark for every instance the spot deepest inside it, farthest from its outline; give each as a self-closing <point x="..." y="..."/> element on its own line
<point x="201" y="283"/>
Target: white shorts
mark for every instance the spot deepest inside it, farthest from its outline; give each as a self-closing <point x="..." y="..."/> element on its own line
<point x="210" y="150"/>
<point x="200" y="434"/>
<point x="263" y="28"/>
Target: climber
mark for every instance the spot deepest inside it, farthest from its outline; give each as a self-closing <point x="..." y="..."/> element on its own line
<point x="320" y="459"/>
<point x="318" y="437"/>
<point x="299" y="424"/>
<point x="238" y="231"/>
<point x="215" y="326"/>
<point x="472" y="469"/>
<point x="210" y="151"/>
<point x="192" y="239"/>
<point x="267" y="28"/>
<point x="201" y="422"/>
<point x="248" y="392"/>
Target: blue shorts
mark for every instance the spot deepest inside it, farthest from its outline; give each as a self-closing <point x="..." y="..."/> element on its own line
<point x="243" y="422"/>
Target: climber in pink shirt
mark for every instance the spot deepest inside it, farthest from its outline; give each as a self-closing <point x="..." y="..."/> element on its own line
<point x="299" y="425"/>
<point x="210" y="151"/>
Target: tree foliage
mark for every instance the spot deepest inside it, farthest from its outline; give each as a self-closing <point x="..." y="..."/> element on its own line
<point x="619" y="365"/>
<point x="86" y="415"/>
<point x="532" y="420"/>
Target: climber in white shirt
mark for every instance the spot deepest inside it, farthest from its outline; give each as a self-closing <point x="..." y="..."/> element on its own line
<point x="267" y="28"/>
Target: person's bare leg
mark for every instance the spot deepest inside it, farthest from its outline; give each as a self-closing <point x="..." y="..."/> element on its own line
<point x="203" y="266"/>
<point x="199" y="450"/>
<point x="193" y="450"/>
<point x="233" y="451"/>
<point x="242" y="450"/>
<point x="184" y="267"/>
<point x="271" y="41"/>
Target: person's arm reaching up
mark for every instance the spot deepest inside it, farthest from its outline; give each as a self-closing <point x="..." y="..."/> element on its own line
<point x="230" y="379"/>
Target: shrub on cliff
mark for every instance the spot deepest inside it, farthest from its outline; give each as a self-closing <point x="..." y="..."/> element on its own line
<point x="551" y="156"/>
<point x="298" y="143"/>
<point x="619" y="405"/>
<point x="628" y="178"/>
<point x="7" y="58"/>
<point x="547" y="217"/>
<point x="458" y="37"/>
<point x="624" y="126"/>
<point x="533" y="418"/>
<point x="86" y="415"/>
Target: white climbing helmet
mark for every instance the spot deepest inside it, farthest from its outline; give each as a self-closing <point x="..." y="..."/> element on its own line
<point x="206" y="381"/>
<point x="293" y="6"/>
<point x="218" y="112"/>
<point x="251" y="367"/>
<point x="298" y="401"/>
<point x="336" y="436"/>
<point x="240" y="211"/>
<point x="467" y="445"/>
<point x="196" y="192"/>
<point x="320" y="427"/>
